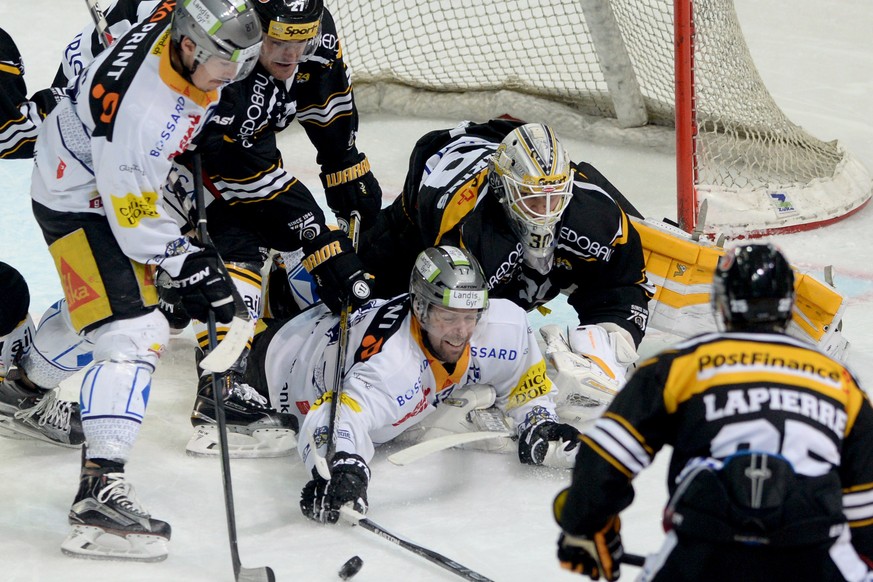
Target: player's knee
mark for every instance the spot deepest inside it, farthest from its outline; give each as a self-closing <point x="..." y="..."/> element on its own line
<point x="139" y="339"/>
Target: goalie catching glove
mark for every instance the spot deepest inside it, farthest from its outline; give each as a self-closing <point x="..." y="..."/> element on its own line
<point x="202" y="285"/>
<point x="533" y="444"/>
<point x="321" y="499"/>
<point x="350" y="188"/>
<point x="337" y="270"/>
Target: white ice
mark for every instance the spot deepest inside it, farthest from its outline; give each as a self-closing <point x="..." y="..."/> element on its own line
<point x="485" y="511"/>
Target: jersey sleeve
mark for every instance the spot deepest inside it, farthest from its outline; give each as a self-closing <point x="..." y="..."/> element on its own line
<point x="620" y="291"/>
<point x="120" y="16"/>
<point x="325" y="101"/>
<point x="19" y="118"/>
<point x="856" y="476"/>
<point x="622" y="442"/>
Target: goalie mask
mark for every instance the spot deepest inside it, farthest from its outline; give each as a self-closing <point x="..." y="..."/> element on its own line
<point x="753" y="289"/>
<point x="449" y="294"/>
<point x="227" y="34"/>
<point x="531" y="173"/>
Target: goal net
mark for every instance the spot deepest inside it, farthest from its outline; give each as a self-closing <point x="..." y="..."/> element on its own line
<point x="605" y="69"/>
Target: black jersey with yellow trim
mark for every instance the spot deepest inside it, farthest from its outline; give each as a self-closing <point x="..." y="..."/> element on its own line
<point x="598" y="258"/>
<point x="722" y="393"/>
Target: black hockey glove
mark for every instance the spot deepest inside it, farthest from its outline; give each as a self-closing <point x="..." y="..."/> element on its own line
<point x="353" y="188"/>
<point x="321" y="499"/>
<point x="46" y="99"/>
<point x="594" y="556"/>
<point x="175" y="313"/>
<point x="337" y="270"/>
<point x="203" y="285"/>
<point x="533" y="444"/>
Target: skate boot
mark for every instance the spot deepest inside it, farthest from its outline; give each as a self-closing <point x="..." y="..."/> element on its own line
<point x="108" y="521"/>
<point x="29" y="411"/>
<point x="254" y="429"/>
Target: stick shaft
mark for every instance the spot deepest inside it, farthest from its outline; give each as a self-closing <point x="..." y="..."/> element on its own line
<point x="342" y="346"/>
<point x="240" y="574"/>
<point x="429" y="555"/>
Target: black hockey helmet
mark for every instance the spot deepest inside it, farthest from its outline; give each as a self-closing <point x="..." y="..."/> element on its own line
<point x="292" y="20"/>
<point x="753" y="288"/>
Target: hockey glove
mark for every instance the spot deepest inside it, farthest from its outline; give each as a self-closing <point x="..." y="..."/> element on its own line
<point x="46" y="99"/>
<point x="175" y="313"/>
<point x="595" y="556"/>
<point x="533" y="444"/>
<point x="321" y="499"/>
<point x="202" y="285"/>
<point x="353" y="188"/>
<point x="337" y="270"/>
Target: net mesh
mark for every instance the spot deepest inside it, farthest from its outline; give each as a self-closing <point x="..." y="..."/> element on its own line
<point x="537" y="61"/>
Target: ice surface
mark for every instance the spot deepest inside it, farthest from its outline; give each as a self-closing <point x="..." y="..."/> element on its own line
<point x="485" y="511"/>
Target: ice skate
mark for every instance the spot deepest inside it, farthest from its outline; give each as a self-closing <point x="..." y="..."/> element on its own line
<point x="254" y="429"/>
<point x="109" y="523"/>
<point x="27" y="411"/>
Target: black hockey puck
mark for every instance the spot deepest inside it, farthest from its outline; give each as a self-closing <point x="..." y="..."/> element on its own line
<point x="351" y="567"/>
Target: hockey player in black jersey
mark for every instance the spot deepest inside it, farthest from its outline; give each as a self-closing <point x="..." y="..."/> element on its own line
<point x="20" y="115"/>
<point x="27" y="408"/>
<point x="254" y="204"/>
<point x="772" y="466"/>
<point x="539" y="225"/>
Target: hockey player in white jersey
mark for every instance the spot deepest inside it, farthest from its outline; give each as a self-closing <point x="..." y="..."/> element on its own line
<point x="407" y="358"/>
<point x="102" y="157"/>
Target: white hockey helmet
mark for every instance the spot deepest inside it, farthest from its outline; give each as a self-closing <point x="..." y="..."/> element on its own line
<point x="226" y="31"/>
<point x="531" y="173"/>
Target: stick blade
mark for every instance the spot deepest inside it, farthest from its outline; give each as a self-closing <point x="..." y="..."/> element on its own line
<point x="264" y="574"/>
<point x="229" y="349"/>
<point x="425" y="448"/>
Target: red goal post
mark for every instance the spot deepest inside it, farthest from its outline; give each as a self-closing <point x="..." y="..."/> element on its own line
<point x="614" y="72"/>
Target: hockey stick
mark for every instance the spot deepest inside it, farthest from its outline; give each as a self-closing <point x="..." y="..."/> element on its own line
<point x="356" y="518"/>
<point x="425" y="448"/>
<point x="99" y="23"/>
<point x="633" y="560"/>
<point x="323" y="468"/>
<point x="264" y="574"/>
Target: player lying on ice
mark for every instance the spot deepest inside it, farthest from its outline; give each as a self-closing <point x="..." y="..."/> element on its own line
<point x="423" y="358"/>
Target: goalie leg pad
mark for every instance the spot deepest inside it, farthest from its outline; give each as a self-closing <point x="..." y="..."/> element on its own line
<point x="260" y="444"/>
<point x="95" y="543"/>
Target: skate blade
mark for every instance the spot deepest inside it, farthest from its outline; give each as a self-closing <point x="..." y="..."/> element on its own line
<point x="8" y="432"/>
<point x="95" y="543"/>
<point x="12" y="429"/>
<point x="263" y="443"/>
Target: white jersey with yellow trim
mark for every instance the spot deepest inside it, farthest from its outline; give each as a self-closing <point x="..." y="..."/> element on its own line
<point x="392" y="382"/>
<point x="108" y="149"/>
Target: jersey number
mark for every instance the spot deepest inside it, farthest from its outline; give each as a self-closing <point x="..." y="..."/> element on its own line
<point x="809" y="450"/>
